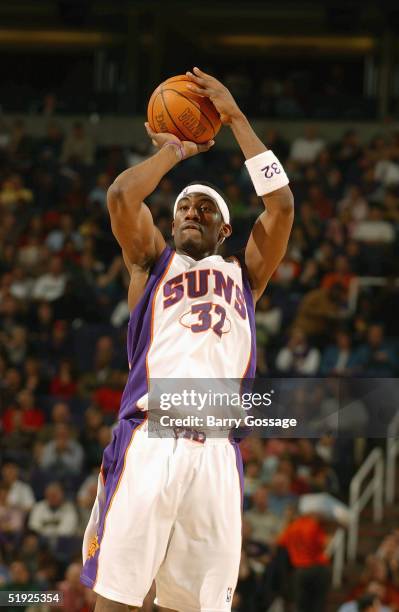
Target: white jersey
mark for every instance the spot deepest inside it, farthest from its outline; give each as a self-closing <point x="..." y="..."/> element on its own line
<point x="194" y="320"/>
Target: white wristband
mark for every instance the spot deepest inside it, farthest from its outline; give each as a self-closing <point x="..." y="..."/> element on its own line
<point x="266" y="172"/>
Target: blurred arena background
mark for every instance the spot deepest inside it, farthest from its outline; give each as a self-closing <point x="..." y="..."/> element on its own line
<point x="320" y="80"/>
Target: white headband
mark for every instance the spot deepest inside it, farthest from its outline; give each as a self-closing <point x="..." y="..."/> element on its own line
<point x="224" y="209"/>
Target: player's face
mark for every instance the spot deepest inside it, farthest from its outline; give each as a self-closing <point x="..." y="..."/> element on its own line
<point x="198" y="227"/>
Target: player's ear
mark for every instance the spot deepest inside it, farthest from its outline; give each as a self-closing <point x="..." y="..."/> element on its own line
<point x="225" y="231"/>
<point x="173" y="227"/>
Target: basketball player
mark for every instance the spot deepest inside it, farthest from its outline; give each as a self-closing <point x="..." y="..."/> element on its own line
<point x="169" y="509"/>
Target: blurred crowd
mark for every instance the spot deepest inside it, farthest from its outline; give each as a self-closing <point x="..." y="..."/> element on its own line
<point x="330" y="310"/>
<point x="293" y="88"/>
<point x="378" y="584"/>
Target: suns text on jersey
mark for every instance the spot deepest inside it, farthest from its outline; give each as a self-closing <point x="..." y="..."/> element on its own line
<point x="196" y="284"/>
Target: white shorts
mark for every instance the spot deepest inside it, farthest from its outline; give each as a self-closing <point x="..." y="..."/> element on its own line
<point x="166" y="509"/>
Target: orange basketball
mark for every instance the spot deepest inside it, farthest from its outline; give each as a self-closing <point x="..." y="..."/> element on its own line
<point x="175" y="109"/>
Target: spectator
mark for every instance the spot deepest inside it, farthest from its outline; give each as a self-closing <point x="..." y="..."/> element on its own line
<point x="20" y="145"/>
<point x="386" y="306"/>
<point x="11" y="385"/>
<point x="64" y="383"/>
<point x="298" y="358"/>
<point x="60" y="415"/>
<point x="89" y="437"/>
<point x="252" y="480"/>
<point x="342" y="275"/>
<point x="73" y="592"/>
<point x="62" y="456"/>
<point x="369" y="603"/>
<point x="57" y="347"/>
<point x="30" y="551"/>
<point x="102" y="375"/>
<point x="17" y="346"/>
<point x="85" y="498"/>
<point x="20" y="580"/>
<point x="53" y="517"/>
<point x="353" y="206"/>
<point x="377" y="358"/>
<point x="32" y="254"/>
<point x="339" y="359"/>
<point x="298" y="485"/>
<point x="320" y="311"/>
<point x="20" y="494"/>
<point x="58" y="237"/>
<point x="51" y="145"/>
<point x="305" y="149"/>
<point x="309" y="278"/>
<point x="11" y="518"/>
<point x="375" y="592"/>
<point x="268" y="319"/>
<point x="319" y="201"/>
<point x="32" y="418"/>
<point x="265" y="524"/>
<point x="287" y="271"/>
<point x="78" y="146"/>
<point x="374" y="229"/>
<point x="51" y="285"/>
<point x="14" y="195"/>
<point x="98" y="195"/>
<point x="22" y="284"/>
<point x="305" y="540"/>
<point x="282" y="500"/>
<point x="245" y="595"/>
<point x="349" y="149"/>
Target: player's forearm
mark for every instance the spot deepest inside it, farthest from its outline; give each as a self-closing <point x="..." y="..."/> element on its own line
<point x="244" y="134"/>
<point x="279" y="201"/>
<point x="136" y="183"/>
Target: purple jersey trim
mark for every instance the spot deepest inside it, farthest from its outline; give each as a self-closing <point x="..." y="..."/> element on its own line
<point x="112" y="469"/>
<point x="249" y="374"/>
<point x="139" y="340"/>
<point x="249" y="301"/>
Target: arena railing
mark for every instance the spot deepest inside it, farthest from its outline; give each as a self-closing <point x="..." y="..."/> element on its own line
<point x="373" y="466"/>
<point x="360" y="282"/>
<point x="392" y="451"/>
<point x="336" y="551"/>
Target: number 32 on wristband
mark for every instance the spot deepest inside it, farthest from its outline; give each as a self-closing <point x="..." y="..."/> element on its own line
<point x="270" y="170"/>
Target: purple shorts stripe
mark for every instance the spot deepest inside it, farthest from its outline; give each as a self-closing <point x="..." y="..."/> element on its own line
<point x="114" y="461"/>
<point x="240" y="468"/>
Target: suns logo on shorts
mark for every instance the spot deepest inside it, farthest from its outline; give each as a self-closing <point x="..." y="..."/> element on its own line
<point x="93" y="547"/>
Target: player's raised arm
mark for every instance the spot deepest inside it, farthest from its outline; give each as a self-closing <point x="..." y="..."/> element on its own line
<point x="269" y="237"/>
<point x="131" y="220"/>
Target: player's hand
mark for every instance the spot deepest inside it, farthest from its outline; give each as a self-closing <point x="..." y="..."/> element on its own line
<point x="189" y="148"/>
<point x="206" y="85"/>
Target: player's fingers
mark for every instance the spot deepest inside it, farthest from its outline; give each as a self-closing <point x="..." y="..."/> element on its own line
<point x="205" y="92"/>
<point x="206" y="146"/>
<point x="200" y="91"/>
<point x="201" y="74"/>
<point x="196" y="79"/>
<point x="149" y="130"/>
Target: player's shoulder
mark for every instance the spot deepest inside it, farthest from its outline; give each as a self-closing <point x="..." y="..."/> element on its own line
<point x="237" y="259"/>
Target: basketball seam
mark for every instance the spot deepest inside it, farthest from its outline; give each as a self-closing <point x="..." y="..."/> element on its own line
<point x="171" y="118"/>
<point x="152" y="112"/>
<point x="198" y="106"/>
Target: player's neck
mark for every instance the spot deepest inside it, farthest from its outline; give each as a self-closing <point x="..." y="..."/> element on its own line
<point x="194" y="254"/>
